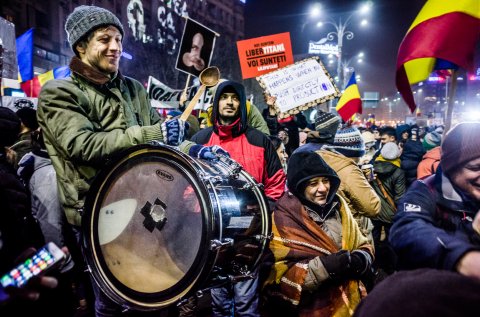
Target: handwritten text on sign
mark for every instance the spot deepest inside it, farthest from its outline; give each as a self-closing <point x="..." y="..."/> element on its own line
<point x="299" y="85"/>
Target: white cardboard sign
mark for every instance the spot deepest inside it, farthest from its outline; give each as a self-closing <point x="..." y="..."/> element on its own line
<point x="299" y="86"/>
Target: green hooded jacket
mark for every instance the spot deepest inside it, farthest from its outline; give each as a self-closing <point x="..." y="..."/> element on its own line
<point x="86" y="119"/>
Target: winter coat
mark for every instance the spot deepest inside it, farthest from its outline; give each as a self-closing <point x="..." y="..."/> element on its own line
<point x="37" y="172"/>
<point x="354" y="188"/>
<point x="392" y="178"/>
<point x="248" y="146"/>
<point x="86" y="119"/>
<point x="433" y="225"/>
<point x="429" y="163"/>
<point x="412" y="154"/>
<point x="18" y="230"/>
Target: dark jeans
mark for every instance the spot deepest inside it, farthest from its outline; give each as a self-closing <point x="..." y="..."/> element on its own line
<point x="239" y="299"/>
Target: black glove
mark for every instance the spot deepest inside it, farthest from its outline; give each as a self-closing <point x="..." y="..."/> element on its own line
<point x="337" y="264"/>
<point x="360" y="264"/>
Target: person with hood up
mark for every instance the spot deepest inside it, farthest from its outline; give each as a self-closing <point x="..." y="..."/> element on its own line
<point x="319" y="252"/>
<point x="254" y="151"/>
<point x="246" y="145"/>
<point x="343" y="156"/>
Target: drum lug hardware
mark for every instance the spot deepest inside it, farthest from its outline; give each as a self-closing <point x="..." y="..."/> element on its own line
<point x="215" y="180"/>
<point x="247" y="186"/>
<point x="217" y="244"/>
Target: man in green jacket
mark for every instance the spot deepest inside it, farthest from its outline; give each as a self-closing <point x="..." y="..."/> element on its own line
<point x="94" y="114"/>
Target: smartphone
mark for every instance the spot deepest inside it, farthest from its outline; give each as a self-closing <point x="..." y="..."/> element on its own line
<point x="45" y="259"/>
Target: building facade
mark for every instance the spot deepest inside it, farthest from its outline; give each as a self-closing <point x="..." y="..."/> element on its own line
<point x="153" y="32"/>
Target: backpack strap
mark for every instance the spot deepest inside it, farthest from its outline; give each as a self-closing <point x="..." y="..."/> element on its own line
<point x="386" y="195"/>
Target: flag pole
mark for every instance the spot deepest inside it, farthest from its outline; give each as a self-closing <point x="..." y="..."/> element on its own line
<point x="450" y="101"/>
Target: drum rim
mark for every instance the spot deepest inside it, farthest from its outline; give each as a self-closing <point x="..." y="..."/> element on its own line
<point x="97" y="266"/>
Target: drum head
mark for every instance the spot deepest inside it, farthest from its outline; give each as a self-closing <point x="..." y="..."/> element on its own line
<point x="147" y="222"/>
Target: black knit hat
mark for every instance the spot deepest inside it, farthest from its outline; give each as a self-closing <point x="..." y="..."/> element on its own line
<point x="9" y="127"/>
<point x="85" y="19"/>
<point x="460" y="145"/>
<point x="28" y="116"/>
<point x="303" y="166"/>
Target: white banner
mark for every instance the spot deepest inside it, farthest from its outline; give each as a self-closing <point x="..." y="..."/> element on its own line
<point x="15" y="103"/>
<point x="299" y="86"/>
<point x="162" y="96"/>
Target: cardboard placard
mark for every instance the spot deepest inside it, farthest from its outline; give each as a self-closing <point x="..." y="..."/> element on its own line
<point x="299" y="86"/>
<point x="262" y="55"/>
<point x="196" y="48"/>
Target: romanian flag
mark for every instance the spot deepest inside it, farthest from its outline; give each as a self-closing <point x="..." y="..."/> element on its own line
<point x="443" y="36"/>
<point x="350" y="102"/>
<point x="25" y="56"/>
<point x="32" y="87"/>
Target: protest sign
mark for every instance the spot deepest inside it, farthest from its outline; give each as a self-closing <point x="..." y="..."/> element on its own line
<point x="299" y="86"/>
<point x="196" y="48"/>
<point x="264" y="54"/>
<point x="162" y="96"/>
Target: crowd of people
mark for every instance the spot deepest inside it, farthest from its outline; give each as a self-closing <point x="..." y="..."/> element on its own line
<point x="367" y="220"/>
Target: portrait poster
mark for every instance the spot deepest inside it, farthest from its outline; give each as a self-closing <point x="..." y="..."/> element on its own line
<point x="299" y="86"/>
<point x="196" y="48"/>
<point x="264" y="54"/>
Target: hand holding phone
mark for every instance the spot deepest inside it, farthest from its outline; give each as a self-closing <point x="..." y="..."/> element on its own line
<point x="44" y="260"/>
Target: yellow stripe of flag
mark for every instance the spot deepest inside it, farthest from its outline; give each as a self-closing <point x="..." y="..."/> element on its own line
<point x="435" y="8"/>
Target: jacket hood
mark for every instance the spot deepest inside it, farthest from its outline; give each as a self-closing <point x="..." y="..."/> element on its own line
<point x="303" y="166"/>
<point x="31" y="162"/>
<point x="240" y="90"/>
<point x="434" y="154"/>
<point x="384" y="168"/>
<point x="413" y="150"/>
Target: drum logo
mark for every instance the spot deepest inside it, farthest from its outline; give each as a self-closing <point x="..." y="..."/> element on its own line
<point x="164" y="175"/>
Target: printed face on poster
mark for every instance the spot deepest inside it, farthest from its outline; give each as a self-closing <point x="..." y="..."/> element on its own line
<point x="299" y="86"/>
<point x="264" y="54"/>
<point x="196" y="48"/>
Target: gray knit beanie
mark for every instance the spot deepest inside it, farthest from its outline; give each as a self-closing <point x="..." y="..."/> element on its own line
<point x="326" y="124"/>
<point x="390" y="151"/>
<point x="85" y="19"/>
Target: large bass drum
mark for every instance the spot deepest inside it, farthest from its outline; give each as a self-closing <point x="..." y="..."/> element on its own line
<point x="161" y="226"/>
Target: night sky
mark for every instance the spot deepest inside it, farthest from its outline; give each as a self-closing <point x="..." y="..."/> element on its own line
<point x="389" y="20"/>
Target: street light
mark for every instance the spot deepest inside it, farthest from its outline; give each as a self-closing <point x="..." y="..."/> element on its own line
<point x="340" y="33"/>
